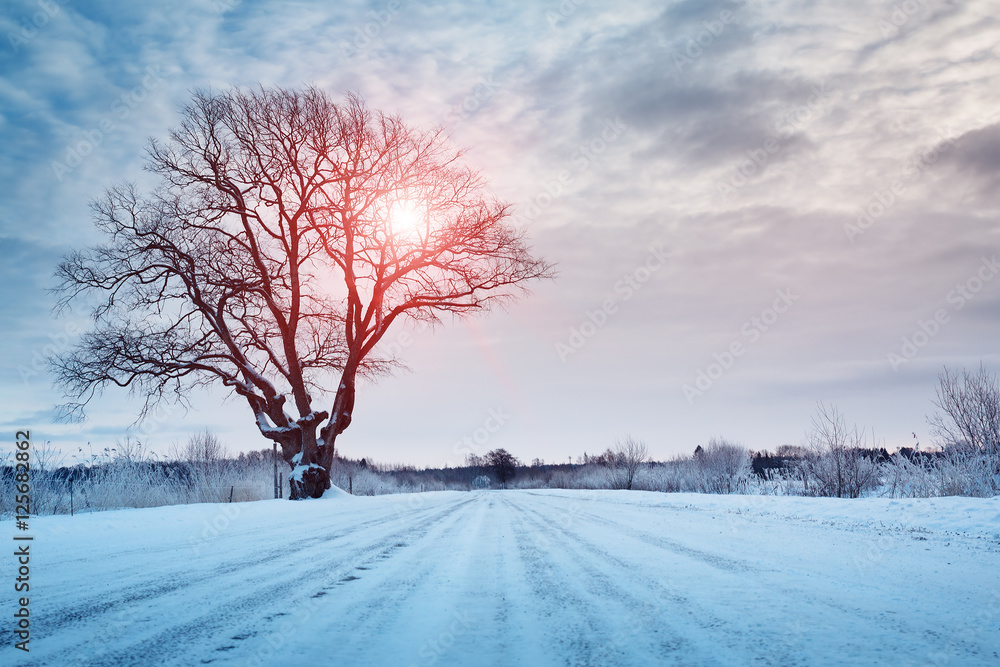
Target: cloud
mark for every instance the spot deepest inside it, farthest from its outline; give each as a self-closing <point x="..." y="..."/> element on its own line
<point x="752" y="141"/>
<point x="975" y="156"/>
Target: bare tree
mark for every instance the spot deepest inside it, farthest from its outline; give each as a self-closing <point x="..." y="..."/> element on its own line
<point x="628" y="455"/>
<point x="504" y="465"/>
<point x="968" y="410"/>
<point x="203" y="447"/>
<point x="838" y="462"/>
<point x="287" y="235"/>
<point x="477" y="465"/>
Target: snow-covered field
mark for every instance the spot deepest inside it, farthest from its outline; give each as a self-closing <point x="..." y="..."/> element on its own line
<point x="518" y="578"/>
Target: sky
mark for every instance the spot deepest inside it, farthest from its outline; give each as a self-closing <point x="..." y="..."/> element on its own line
<point x="752" y="207"/>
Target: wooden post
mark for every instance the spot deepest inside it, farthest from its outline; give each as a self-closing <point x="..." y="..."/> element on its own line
<point x="276" y="486"/>
<point x="281" y="485"/>
<point x="231" y="493"/>
<point x="350" y="485"/>
<point x="71" y="495"/>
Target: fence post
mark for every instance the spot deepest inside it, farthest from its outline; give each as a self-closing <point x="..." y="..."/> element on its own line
<point x="276" y="486"/>
<point x="350" y="485"/>
<point x="281" y="485"/>
<point x="231" y="493"/>
<point x="71" y="495"/>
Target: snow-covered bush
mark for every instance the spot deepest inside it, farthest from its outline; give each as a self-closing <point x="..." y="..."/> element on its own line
<point x="955" y="471"/>
<point x="837" y="465"/>
<point x="583" y="477"/>
<point x="904" y="477"/>
<point x="47" y="495"/>
<point x="967" y="471"/>
<point x="626" y="459"/>
<point x="369" y="483"/>
<point x="724" y="467"/>
<point x="676" y="476"/>
<point x="127" y="476"/>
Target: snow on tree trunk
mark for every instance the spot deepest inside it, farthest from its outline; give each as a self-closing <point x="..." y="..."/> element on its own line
<point x="308" y="481"/>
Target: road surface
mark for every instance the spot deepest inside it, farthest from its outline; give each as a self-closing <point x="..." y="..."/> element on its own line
<point x="505" y="578"/>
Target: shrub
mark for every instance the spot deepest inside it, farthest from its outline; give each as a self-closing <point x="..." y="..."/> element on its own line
<point x="624" y="462"/>
<point x="724" y="467"/>
<point x="837" y="465"/>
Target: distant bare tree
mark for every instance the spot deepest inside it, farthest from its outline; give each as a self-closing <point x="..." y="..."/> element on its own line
<point x="504" y="465"/>
<point x="477" y="465"/>
<point x="968" y="410"/>
<point x="791" y="451"/>
<point x="204" y="447"/>
<point x="838" y="462"/>
<point x="287" y="234"/>
<point x="628" y="455"/>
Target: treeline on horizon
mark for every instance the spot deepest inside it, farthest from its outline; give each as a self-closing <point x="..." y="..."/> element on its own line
<point x="837" y="460"/>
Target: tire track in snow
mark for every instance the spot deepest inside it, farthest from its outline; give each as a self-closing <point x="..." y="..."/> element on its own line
<point x="909" y="635"/>
<point x="142" y="592"/>
<point x="724" y="563"/>
<point x="549" y="579"/>
<point x="393" y="584"/>
<point x="555" y="599"/>
<point x="102" y="603"/>
<point x="422" y="605"/>
<point x="316" y="582"/>
<point x="668" y="602"/>
<point x="230" y="608"/>
<point x="655" y="632"/>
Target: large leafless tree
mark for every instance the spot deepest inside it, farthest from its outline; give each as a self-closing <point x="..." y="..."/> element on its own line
<point x="287" y="234"/>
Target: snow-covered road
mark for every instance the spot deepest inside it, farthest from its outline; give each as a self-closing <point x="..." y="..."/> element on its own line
<point x="518" y="578"/>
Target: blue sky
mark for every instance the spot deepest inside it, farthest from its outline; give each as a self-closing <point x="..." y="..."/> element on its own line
<point x="821" y="179"/>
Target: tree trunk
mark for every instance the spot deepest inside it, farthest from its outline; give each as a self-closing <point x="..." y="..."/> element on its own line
<point x="309" y="477"/>
<point x="300" y="447"/>
<point x="310" y="482"/>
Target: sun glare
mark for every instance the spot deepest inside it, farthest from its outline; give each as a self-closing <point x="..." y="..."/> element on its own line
<point x="406" y="218"/>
